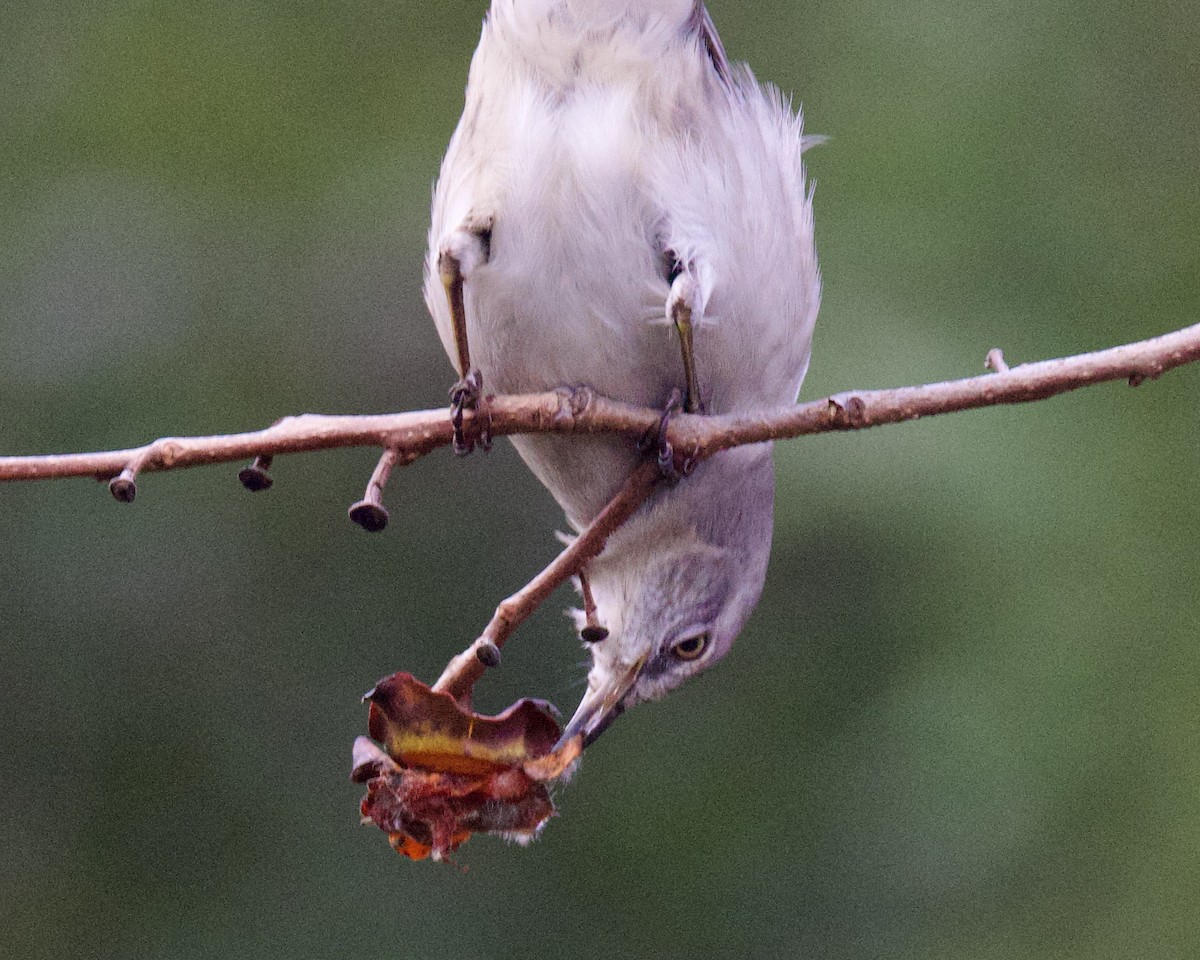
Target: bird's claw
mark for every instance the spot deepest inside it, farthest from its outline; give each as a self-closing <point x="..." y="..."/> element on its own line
<point x="467" y="394"/>
<point x="656" y="440"/>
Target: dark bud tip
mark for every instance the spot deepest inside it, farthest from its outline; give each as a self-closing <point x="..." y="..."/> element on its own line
<point x="123" y="489"/>
<point x="488" y="654"/>
<point x="370" y="516"/>
<point x="255" y="479"/>
<point x="593" y="634"/>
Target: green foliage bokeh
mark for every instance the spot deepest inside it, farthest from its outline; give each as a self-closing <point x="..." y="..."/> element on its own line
<point x="963" y="722"/>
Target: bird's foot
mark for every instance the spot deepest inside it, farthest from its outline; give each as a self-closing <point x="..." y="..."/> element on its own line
<point x="656" y="441"/>
<point x="467" y="394"/>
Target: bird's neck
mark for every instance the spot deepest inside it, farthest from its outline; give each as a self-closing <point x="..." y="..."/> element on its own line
<point x="711" y="533"/>
<point x="728" y="504"/>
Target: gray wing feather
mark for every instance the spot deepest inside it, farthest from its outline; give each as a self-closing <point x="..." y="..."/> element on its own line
<point x="702" y="24"/>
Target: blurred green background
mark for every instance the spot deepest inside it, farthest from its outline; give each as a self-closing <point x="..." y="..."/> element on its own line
<point x="963" y="723"/>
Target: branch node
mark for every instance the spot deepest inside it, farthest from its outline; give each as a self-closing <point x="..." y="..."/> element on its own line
<point x="995" y="361"/>
<point x="848" y="409"/>
<point x="255" y="477"/>
<point x="165" y="452"/>
<point x="488" y="653"/>
<point x="1151" y="371"/>
<point x="581" y="399"/>
<point x="508" y="613"/>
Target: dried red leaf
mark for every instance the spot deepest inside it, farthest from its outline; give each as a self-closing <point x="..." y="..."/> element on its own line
<point x="448" y="773"/>
<point x="420" y="728"/>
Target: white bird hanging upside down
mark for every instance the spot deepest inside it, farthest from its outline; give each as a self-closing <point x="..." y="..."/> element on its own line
<point x="623" y="208"/>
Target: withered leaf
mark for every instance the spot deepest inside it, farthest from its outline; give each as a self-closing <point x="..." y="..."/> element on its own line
<point x="445" y="773"/>
<point x="421" y="728"/>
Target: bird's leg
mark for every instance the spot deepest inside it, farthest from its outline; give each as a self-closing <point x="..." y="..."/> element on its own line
<point x="681" y="315"/>
<point x="684" y="310"/>
<point x="459" y="255"/>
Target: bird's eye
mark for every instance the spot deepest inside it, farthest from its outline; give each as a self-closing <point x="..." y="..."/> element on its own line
<point x="691" y="647"/>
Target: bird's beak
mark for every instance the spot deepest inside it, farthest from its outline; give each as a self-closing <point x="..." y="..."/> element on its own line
<point x="601" y="705"/>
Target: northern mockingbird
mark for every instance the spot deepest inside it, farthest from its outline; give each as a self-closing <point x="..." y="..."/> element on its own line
<point x="623" y="208"/>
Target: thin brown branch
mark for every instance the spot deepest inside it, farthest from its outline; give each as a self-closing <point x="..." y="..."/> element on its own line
<point x="461" y="672"/>
<point x="415" y="434"/>
<point x="857" y="410"/>
<point x="412" y="435"/>
<point x="369" y="512"/>
<point x="404" y="437"/>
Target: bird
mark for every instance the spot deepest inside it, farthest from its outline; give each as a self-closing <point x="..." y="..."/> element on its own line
<point x="622" y="208"/>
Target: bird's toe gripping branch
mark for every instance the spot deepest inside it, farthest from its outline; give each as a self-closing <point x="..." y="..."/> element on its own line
<point x="467" y="395"/>
<point x="657" y="441"/>
<point x="460" y="254"/>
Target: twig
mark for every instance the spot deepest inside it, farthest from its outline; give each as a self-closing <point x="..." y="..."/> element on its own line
<point x="593" y="631"/>
<point x="413" y="435"/>
<point x="857" y="410"/>
<point x="369" y="512"/>
<point x="461" y="672"/>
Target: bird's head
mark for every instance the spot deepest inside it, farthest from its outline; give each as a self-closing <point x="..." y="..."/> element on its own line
<point x="676" y="585"/>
